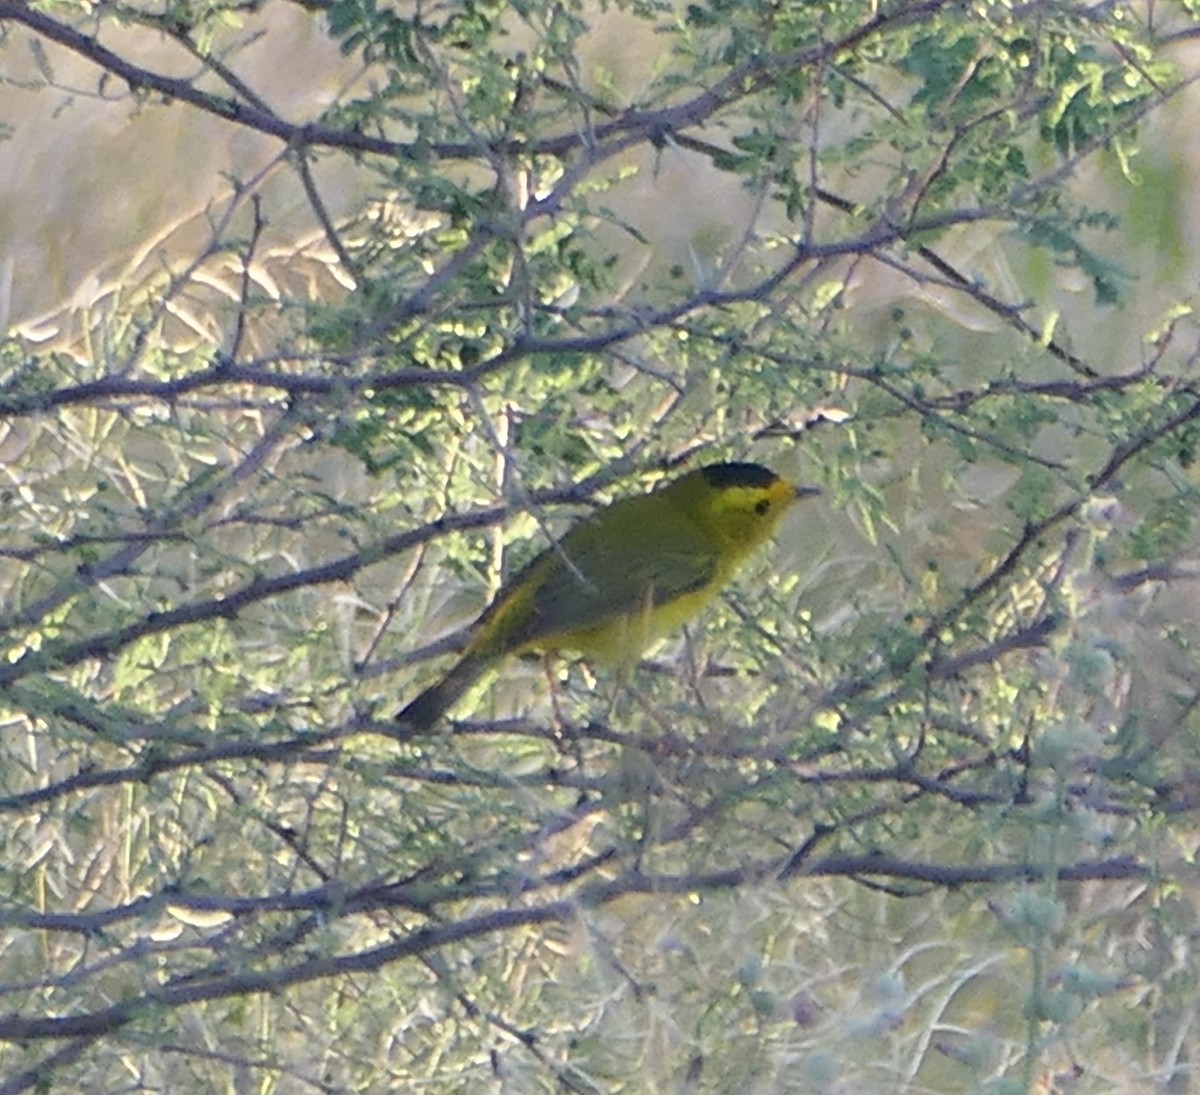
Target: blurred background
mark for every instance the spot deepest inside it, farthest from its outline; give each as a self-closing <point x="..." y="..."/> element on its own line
<point x="321" y="318"/>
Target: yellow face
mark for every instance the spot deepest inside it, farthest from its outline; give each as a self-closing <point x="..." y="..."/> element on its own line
<point x="742" y="517"/>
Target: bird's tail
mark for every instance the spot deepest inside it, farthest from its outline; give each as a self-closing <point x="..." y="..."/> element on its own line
<point x="431" y="704"/>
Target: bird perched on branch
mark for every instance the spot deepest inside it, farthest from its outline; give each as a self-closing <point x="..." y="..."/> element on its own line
<point x="624" y="576"/>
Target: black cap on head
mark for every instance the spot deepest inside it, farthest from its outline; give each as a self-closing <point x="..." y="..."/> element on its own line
<point x="739" y="475"/>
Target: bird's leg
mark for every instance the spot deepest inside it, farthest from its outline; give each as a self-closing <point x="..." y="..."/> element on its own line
<point x="555" y="704"/>
<point x="568" y="745"/>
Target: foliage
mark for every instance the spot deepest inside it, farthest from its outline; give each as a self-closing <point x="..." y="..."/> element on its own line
<point x="912" y="810"/>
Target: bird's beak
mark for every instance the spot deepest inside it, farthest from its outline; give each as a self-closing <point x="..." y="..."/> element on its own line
<point x="806" y="492"/>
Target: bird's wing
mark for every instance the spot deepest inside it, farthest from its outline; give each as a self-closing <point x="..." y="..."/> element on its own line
<point x="587" y="581"/>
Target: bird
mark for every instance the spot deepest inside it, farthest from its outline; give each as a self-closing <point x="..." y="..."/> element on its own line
<point x="622" y="577"/>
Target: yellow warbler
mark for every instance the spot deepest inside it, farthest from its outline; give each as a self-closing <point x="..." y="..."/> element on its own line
<point x="623" y="576"/>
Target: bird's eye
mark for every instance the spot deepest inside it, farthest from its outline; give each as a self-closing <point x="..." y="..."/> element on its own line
<point x="762" y="507"/>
